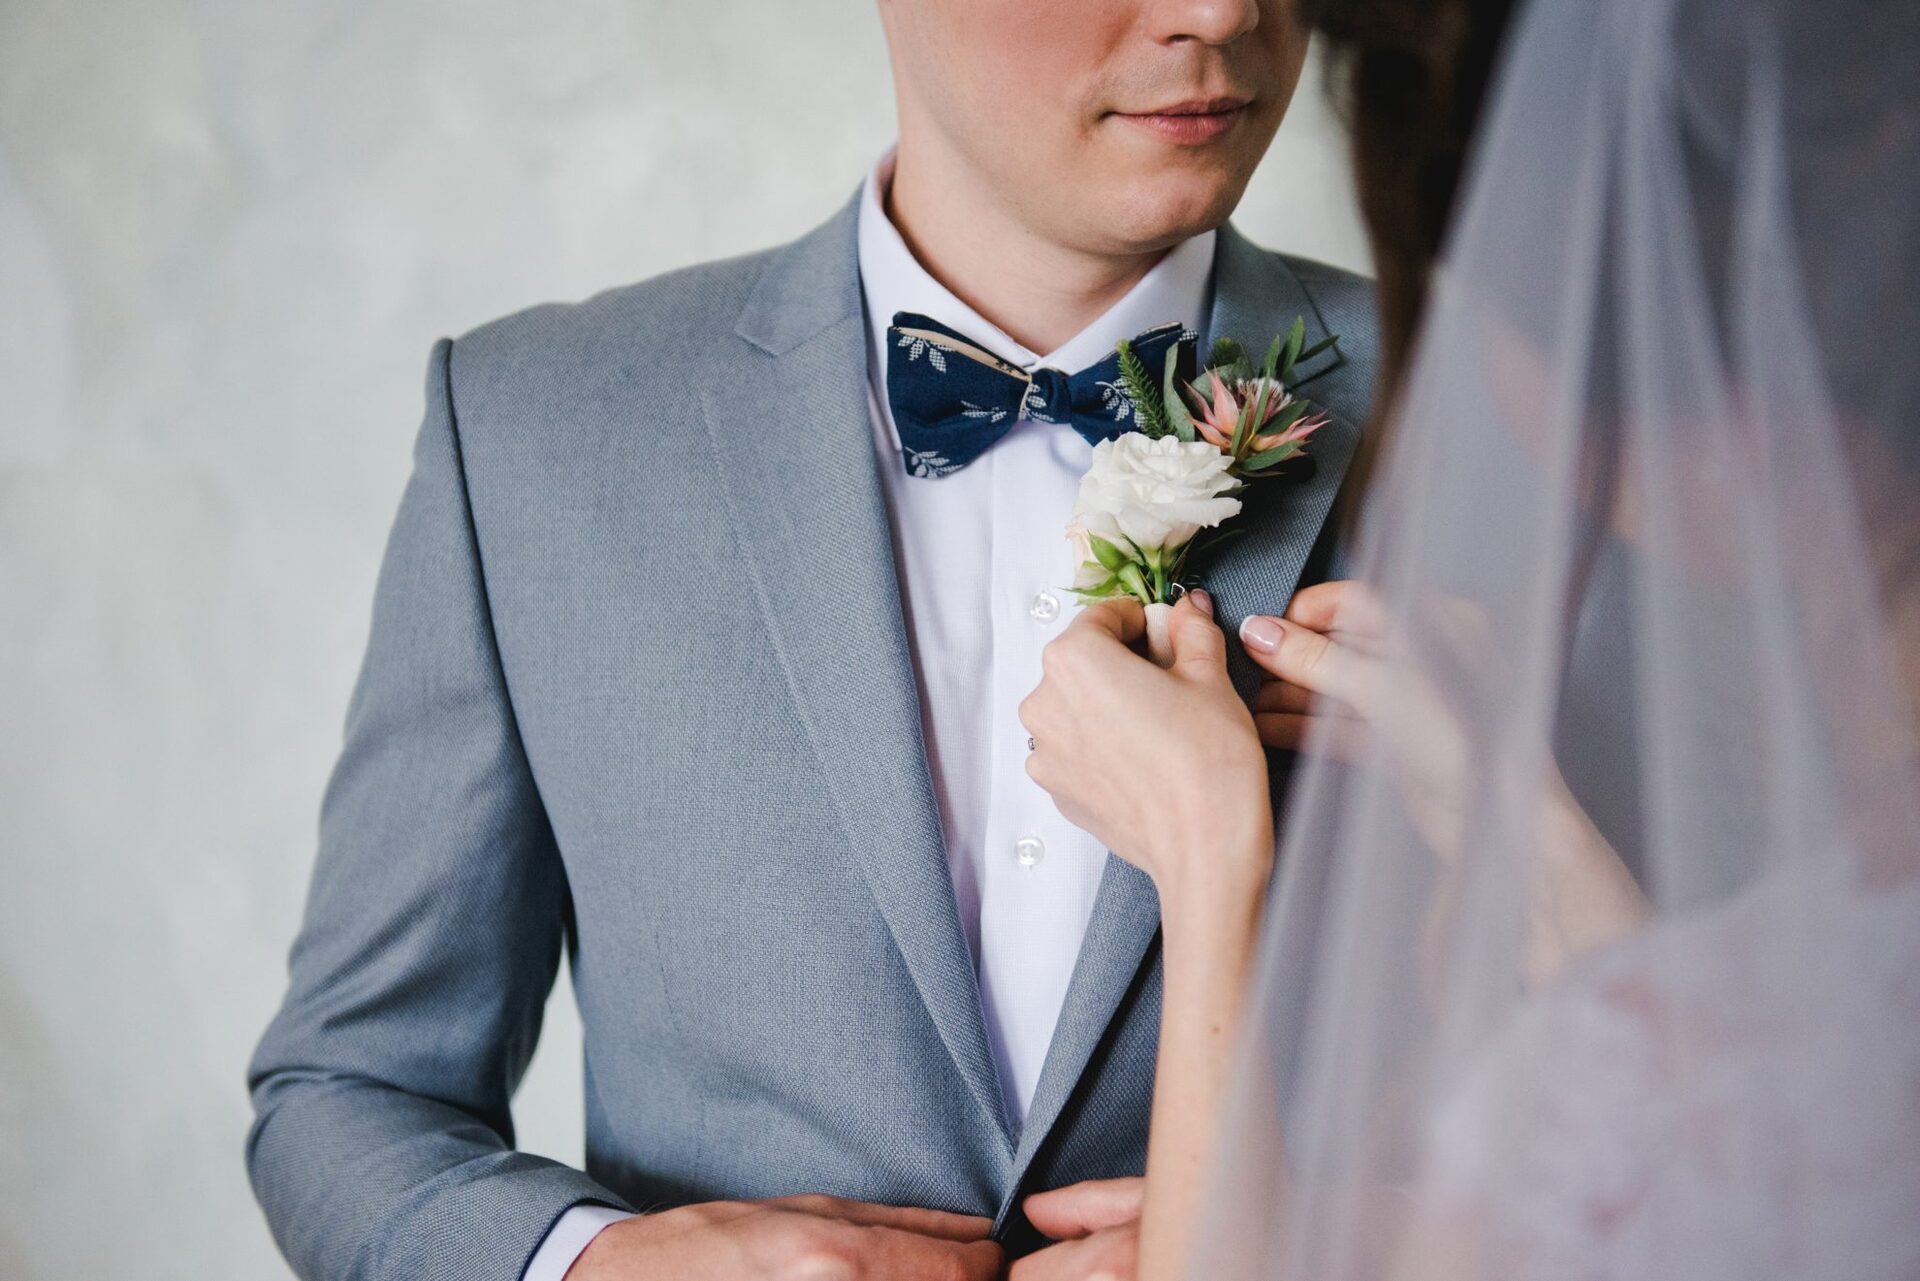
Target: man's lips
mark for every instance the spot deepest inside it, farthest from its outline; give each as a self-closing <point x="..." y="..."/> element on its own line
<point x="1197" y="121"/>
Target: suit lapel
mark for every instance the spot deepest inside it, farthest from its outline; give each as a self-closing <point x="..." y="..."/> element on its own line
<point x="1125" y="921"/>
<point x="1256" y="295"/>
<point x="814" y="530"/>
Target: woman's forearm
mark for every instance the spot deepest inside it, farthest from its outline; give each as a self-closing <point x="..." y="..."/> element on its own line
<point x="1581" y="894"/>
<point x="1209" y="935"/>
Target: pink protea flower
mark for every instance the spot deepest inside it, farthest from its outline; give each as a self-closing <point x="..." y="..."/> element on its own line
<point x="1218" y="420"/>
<point x="1294" y="435"/>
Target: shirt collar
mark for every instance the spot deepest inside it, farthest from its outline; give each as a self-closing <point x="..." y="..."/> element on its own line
<point x="1178" y="288"/>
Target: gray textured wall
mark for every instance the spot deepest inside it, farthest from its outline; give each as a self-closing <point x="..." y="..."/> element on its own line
<point x="229" y="231"/>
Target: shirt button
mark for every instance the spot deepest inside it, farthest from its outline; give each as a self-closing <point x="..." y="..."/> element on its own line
<point x="1044" y="606"/>
<point x="1029" y="850"/>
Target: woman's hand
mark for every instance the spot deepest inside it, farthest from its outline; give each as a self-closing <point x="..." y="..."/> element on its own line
<point x="1163" y="766"/>
<point x="1336" y="680"/>
<point x="1341" y="682"/>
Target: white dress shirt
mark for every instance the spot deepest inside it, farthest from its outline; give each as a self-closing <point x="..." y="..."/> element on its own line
<point x="984" y="568"/>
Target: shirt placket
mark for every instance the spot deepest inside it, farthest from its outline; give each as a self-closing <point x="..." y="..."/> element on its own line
<point x="1039" y="871"/>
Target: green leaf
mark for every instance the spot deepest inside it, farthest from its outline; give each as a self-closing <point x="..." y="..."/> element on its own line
<point x="1178" y="419"/>
<point x="1208" y="544"/>
<point x="1270" y="368"/>
<point x="1296" y="338"/>
<point x="1111" y="558"/>
<point x="1204" y="552"/>
<point x="1287" y="417"/>
<point x="1253" y="411"/>
<point x="1271" y="457"/>
<point x="1148" y="414"/>
<point x="1105" y="589"/>
<point x="1226" y="352"/>
<point x="1329" y="341"/>
<point x="1242" y="428"/>
<point x="1136" y="584"/>
<point x="1229" y="360"/>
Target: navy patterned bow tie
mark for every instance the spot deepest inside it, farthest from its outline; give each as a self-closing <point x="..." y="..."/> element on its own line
<point x="952" y="400"/>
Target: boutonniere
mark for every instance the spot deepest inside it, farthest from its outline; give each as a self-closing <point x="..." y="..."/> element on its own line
<point x="1198" y="445"/>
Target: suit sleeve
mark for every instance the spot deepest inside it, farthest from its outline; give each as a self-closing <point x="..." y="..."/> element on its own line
<point x="382" y="1146"/>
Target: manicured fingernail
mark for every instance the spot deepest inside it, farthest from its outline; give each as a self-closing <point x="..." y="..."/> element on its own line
<point x="1202" y="601"/>
<point x="1261" y="633"/>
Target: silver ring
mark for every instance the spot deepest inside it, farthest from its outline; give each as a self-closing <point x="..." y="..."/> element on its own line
<point x="1029" y="742"/>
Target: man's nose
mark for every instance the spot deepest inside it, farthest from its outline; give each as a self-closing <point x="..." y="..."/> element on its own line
<point x="1207" y="21"/>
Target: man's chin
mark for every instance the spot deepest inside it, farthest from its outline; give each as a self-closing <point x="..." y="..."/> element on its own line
<point x="1158" y="215"/>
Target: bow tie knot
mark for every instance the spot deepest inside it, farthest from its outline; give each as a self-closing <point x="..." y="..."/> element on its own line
<point x="1048" y="398"/>
<point x="952" y="400"/>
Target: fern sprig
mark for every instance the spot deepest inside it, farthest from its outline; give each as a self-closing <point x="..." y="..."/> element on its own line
<point x="1149" y="414"/>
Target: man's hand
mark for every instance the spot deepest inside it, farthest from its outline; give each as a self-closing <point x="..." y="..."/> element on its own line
<point x="802" y="1238"/>
<point x="1096" y="1225"/>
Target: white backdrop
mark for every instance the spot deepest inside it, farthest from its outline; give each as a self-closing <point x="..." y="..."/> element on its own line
<point x="229" y="232"/>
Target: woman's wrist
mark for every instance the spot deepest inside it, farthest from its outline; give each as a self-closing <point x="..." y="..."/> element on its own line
<point x="1582" y="894"/>
<point x="1210" y="922"/>
<point x="1223" y="880"/>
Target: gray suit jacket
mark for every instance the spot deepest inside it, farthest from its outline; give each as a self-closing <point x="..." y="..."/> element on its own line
<point x="638" y="692"/>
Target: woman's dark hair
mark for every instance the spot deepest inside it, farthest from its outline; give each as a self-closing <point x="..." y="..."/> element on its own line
<point x="1411" y="77"/>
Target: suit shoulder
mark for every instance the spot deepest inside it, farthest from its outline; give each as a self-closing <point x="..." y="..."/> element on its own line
<point x="1333" y="288"/>
<point x="1345" y="303"/>
<point x="1347" y="306"/>
<point x="661" y="323"/>
<point x="1345" y="300"/>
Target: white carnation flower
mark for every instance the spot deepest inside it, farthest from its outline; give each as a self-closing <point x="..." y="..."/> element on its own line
<point x="1088" y="573"/>
<point x="1155" y="493"/>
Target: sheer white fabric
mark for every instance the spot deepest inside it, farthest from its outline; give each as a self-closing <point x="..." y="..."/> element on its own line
<point x="1599" y="957"/>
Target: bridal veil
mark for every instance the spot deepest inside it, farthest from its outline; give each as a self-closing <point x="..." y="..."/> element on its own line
<point x="1599" y="957"/>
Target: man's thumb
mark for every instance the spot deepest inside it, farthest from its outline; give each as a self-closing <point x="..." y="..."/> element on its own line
<point x="1199" y="647"/>
<point x="1081" y="1209"/>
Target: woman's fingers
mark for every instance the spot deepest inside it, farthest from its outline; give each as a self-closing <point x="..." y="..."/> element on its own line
<point x="1279" y="696"/>
<point x="1120" y="617"/>
<point x="1301" y="656"/>
<point x="1318" y="606"/>
<point x="1080" y="1209"/>
<point x="1199" y="646"/>
<point x="1342" y="737"/>
<point x="1346" y="606"/>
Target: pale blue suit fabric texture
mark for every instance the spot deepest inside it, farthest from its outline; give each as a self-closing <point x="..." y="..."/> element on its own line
<point x="639" y="695"/>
